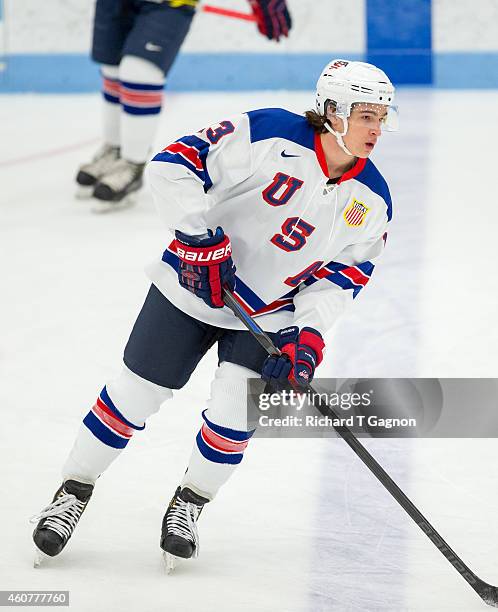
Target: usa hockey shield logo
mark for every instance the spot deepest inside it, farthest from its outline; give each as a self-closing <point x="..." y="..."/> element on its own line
<point x="355" y="213"/>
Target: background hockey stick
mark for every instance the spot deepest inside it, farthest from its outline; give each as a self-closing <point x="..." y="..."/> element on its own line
<point x="486" y="591"/>
<point x="218" y="10"/>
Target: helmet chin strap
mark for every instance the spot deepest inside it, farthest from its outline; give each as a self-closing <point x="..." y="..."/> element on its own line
<point x="338" y="136"/>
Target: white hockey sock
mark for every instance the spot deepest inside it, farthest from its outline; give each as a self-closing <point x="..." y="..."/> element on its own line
<point x="111" y="106"/>
<point x="223" y="437"/>
<point x="121" y="408"/>
<point x="141" y="94"/>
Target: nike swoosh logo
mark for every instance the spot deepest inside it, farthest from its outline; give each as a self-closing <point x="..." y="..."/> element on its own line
<point x="152" y="47"/>
<point x="284" y="154"/>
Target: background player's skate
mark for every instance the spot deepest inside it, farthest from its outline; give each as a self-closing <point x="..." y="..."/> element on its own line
<point x="115" y="190"/>
<point x="179" y="536"/>
<point x="58" y="520"/>
<point x="90" y="173"/>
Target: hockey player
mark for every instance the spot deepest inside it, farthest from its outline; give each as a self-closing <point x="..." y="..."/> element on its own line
<point x="136" y="43"/>
<point x="291" y="215"/>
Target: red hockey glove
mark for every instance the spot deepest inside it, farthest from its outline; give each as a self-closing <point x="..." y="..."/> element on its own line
<point x="205" y="265"/>
<point x="302" y="352"/>
<point x="272" y="18"/>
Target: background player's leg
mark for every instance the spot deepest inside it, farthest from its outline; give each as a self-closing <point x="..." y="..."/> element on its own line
<point x="150" y="48"/>
<point x="111" y="105"/>
<point x="89" y="173"/>
<point x="112" y="22"/>
<point x="141" y="85"/>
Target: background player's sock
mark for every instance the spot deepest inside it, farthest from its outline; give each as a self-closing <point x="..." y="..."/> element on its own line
<point x="141" y="93"/>
<point x="111" y="105"/>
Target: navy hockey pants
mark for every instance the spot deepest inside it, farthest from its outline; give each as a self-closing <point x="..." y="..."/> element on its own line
<point x="150" y="30"/>
<point x="166" y="344"/>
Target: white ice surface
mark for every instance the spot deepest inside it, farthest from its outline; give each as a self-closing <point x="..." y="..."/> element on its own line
<point x="302" y="526"/>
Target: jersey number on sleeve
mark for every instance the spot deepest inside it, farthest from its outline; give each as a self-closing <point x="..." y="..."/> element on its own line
<point x="294" y="234"/>
<point x="294" y="281"/>
<point x="214" y="135"/>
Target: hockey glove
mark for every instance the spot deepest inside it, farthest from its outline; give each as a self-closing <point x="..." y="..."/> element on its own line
<point x="302" y="352"/>
<point x="272" y="18"/>
<point x="205" y="265"/>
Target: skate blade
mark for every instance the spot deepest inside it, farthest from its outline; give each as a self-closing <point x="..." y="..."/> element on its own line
<point x="39" y="558"/>
<point x="84" y="193"/>
<point x="170" y="562"/>
<point x="102" y="207"/>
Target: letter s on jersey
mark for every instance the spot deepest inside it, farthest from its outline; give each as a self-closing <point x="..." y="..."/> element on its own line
<point x="294" y="234"/>
<point x="281" y="180"/>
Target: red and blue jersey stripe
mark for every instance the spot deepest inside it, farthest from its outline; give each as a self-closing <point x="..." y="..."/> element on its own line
<point x="191" y="152"/>
<point x="346" y="277"/>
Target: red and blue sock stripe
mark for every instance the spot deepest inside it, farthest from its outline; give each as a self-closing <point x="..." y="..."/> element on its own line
<point x="222" y="444"/>
<point x="111" y="89"/>
<point x="141" y="98"/>
<point x="107" y="424"/>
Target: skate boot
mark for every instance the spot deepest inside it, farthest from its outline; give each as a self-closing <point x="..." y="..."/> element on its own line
<point x="89" y="174"/>
<point x="114" y="188"/>
<point x="58" y="520"/>
<point x="179" y="537"/>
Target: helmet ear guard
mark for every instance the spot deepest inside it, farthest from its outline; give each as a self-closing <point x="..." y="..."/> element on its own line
<point x="331" y="108"/>
<point x="328" y="125"/>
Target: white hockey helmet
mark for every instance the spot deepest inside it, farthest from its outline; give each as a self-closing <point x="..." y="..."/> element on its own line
<point x="345" y="83"/>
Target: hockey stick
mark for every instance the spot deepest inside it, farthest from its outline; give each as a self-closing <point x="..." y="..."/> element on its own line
<point x="218" y="10"/>
<point x="487" y="592"/>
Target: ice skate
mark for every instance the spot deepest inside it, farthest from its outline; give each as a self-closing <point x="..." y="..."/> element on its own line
<point x="58" y="520"/>
<point x="89" y="173"/>
<point x="179" y="537"/>
<point x="115" y="189"/>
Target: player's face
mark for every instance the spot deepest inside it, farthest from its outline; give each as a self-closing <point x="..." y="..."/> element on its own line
<point x="364" y="128"/>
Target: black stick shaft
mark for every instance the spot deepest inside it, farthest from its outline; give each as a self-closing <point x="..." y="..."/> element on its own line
<point x="486" y="591"/>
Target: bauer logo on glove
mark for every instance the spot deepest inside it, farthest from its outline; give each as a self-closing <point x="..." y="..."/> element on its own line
<point x="204" y="256"/>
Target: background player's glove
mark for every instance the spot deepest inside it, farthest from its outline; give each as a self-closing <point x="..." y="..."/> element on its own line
<point x="205" y="265"/>
<point x="272" y="17"/>
<point x="302" y="352"/>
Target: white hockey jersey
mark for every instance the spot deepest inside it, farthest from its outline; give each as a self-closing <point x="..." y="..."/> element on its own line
<point x="303" y="248"/>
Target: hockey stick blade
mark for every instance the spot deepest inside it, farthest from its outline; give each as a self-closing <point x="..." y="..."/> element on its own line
<point x="487" y="592"/>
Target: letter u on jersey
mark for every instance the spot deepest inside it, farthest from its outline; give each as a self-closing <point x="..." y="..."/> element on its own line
<point x="281" y="189"/>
